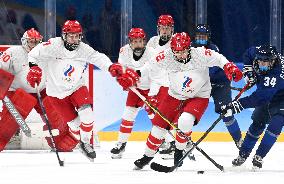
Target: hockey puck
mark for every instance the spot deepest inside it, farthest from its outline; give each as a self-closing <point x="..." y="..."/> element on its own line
<point x="200" y="172"/>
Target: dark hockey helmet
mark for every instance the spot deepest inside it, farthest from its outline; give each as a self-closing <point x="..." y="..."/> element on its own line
<point x="202" y="34"/>
<point x="265" y="58"/>
<point x="71" y="26"/>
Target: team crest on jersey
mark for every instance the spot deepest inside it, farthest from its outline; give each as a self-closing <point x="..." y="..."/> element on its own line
<point x="68" y="71"/>
<point x="186" y="84"/>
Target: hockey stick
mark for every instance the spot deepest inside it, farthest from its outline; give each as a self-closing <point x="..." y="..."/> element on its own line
<point x="45" y="119"/>
<point x="170" y="123"/>
<point x="17" y="116"/>
<point x="231" y="87"/>
<point x="166" y="169"/>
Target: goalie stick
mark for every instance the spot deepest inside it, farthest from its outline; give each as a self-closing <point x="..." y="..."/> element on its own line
<point x="17" y="116"/>
<point x="45" y="119"/>
<point x="170" y="123"/>
<point x="166" y="169"/>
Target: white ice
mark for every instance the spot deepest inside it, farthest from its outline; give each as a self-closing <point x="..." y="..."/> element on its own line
<point x="41" y="167"/>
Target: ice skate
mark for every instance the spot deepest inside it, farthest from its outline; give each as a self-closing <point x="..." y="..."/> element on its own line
<point x="238" y="161"/>
<point x="142" y="162"/>
<point x="118" y="150"/>
<point x="188" y="147"/>
<point x="88" y="150"/>
<point x="168" y="152"/>
<point x="257" y="162"/>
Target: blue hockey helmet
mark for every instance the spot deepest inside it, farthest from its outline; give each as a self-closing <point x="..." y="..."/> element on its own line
<point x="265" y="54"/>
<point x="202" y="34"/>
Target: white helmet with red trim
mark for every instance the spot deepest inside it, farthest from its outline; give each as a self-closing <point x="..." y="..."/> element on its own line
<point x="30" y="39"/>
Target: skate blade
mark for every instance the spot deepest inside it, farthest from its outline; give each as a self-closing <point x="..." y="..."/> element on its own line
<point x="89" y="158"/>
<point x="116" y="156"/>
<point x="136" y="168"/>
<point x="167" y="157"/>
<point x="255" y="169"/>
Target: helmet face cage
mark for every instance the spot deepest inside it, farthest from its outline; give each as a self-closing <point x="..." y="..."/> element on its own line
<point x="265" y="54"/>
<point x="165" y="23"/>
<point x="69" y="27"/>
<point x="180" y="44"/>
<point x="137" y="36"/>
<point x="30" y="39"/>
<point x="202" y="34"/>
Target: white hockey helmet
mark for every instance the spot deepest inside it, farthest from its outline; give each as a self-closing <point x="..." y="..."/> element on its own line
<point x="30" y="39"/>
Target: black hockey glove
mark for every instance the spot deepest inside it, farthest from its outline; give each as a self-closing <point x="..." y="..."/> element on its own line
<point x="250" y="75"/>
<point x="233" y="107"/>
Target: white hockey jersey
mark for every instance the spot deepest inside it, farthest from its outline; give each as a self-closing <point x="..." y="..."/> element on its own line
<point x="126" y="59"/>
<point x="154" y="43"/>
<point x="15" y="61"/>
<point x="191" y="79"/>
<point x="65" y="68"/>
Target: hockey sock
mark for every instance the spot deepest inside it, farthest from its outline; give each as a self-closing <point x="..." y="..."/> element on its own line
<point x="233" y="128"/>
<point x="125" y="130"/>
<point x="250" y="140"/>
<point x="271" y="135"/>
<point x="154" y="140"/>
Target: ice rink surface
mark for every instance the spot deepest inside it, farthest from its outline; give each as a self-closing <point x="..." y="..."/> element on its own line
<point x="41" y="167"/>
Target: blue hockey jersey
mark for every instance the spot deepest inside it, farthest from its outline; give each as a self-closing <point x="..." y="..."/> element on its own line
<point x="270" y="87"/>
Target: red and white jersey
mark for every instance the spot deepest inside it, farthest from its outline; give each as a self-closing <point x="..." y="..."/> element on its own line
<point x="65" y="68"/>
<point x="15" y="61"/>
<point x="191" y="79"/>
<point x="126" y="59"/>
<point x="154" y="43"/>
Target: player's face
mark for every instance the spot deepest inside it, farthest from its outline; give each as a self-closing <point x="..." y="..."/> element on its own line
<point x="137" y="43"/>
<point x="165" y="30"/>
<point x="201" y="37"/>
<point x="181" y="55"/>
<point x="32" y="42"/>
<point x="73" y="38"/>
<point x="263" y="63"/>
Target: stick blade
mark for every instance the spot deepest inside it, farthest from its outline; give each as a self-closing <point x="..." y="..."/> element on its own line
<point x="161" y="168"/>
<point x="61" y="163"/>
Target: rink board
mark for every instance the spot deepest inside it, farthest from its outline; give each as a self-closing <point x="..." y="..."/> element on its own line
<point x="109" y="102"/>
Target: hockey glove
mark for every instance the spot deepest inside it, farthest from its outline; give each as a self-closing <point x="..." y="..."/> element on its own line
<point x="34" y="76"/>
<point x="233" y="107"/>
<point x="154" y="102"/>
<point x="250" y="75"/>
<point x="233" y="72"/>
<point x="128" y="79"/>
<point x="116" y="70"/>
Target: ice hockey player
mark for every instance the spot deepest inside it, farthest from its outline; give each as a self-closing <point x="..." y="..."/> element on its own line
<point x="15" y="61"/>
<point x="165" y="30"/>
<point x="136" y="55"/>
<point x="221" y="91"/>
<point x="68" y="103"/>
<point x="263" y="66"/>
<point x="188" y="94"/>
